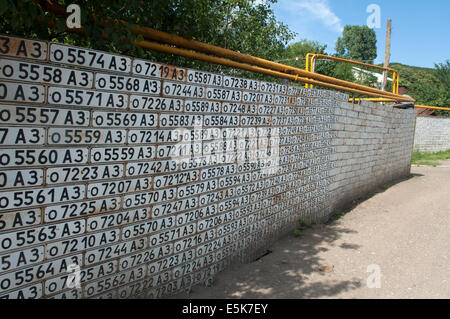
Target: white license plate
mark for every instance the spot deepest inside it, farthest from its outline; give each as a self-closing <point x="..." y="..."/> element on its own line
<point x="211" y="198"/>
<point x="81" y="243"/>
<point x="224" y="94"/>
<point x="29" y="115"/>
<point x="240" y="83"/>
<point x="59" y="175"/>
<point x="221" y="120"/>
<point x="193" y="215"/>
<point x="42" y="157"/>
<point x="252" y="97"/>
<point x="120" y="119"/>
<point x="30" y="292"/>
<point x="184" y="150"/>
<point x="174" y="207"/>
<point x="32" y="274"/>
<point x="20" y="219"/>
<point x="23" y="48"/>
<point x="40" y="196"/>
<point x="89" y="58"/>
<point x="193" y="189"/>
<point x="200" y="77"/>
<point x="79" y="97"/>
<point x="155" y="103"/>
<point x="171" y="261"/>
<point x="175" y="179"/>
<point x="38" y="235"/>
<point x="40" y="73"/>
<point x="127" y="84"/>
<point x="77" y="209"/>
<point x="190" y="267"/>
<point x="146" y="198"/>
<point x="281" y="99"/>
<point x="267" y="109"/>
<point x="255" y="120"/>
<point x="144" y="257"/>
<point x="120" y="154"/>
<point x="21" y="178"/>
<point x="148" y="227"/>
<point x="105" y="221"/>
<point x="26" y="257"/>
<point x="118" y="187"/>
<point x="184" y="90"/>
<point x="113" y="251"/>
<point x="270" y="87"/>
<point x="18" y="92"/>
<point x="202" y="106"/>
<point x="180" y="120"/>
<point x="143" y="136"/>
<point x="151" y="167"/>
<point x="71" y="136"/>
<point x="218" y="171"/>
<point x="158" y="70"/>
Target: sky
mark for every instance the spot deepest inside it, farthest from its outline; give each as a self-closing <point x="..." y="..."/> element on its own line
<point x="420" y="33"/>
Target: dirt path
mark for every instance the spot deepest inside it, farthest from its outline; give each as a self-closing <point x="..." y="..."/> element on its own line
<point x="405" y="230"/>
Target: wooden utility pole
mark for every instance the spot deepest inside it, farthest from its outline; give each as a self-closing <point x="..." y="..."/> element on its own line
<point x="387" y="53"/>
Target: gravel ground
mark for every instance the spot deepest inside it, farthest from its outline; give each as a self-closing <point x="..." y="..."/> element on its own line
<point x="402" y="233"/>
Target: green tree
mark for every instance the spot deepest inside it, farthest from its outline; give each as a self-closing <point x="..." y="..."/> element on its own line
<point x="295" y="54"/>
<point x="427" y="86"/>
<point x="343" y="71"/>
<point x="357" y="43"/>
<point x="443" y="87"/>
<point x="443" y="76"/>
<point x="242" y="25"/>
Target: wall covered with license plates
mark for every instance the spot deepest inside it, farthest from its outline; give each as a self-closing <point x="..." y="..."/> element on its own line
<point x="122" y="177"/>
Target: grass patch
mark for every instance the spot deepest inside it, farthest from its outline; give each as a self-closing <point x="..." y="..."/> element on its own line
<point x="428" y="163"/>
<point x="427" y="158"/>
<point x="301" y="226"/>
<point x="337" y="216"/>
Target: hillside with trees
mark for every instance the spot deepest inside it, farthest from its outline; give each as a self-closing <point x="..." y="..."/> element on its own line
<point x="428" y="86"/>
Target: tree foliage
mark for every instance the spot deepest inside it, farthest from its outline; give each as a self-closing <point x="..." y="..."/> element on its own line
<point x="296" y="52"/>
<point x="241" y="25"/>
<point x="357" y="43"/>
<point x="427" y="86"/>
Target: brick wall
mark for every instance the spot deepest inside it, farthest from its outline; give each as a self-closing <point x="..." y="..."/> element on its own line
<point x="373" y="146"/>
<point x="432" y="134"/>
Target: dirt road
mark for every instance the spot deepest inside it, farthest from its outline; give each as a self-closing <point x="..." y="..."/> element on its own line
<point x="402" y="233"/>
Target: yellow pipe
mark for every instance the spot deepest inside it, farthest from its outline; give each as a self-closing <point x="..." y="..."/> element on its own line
<point x="211" y="59"/>
<point x="160" y="36"/>
<point x="398" y="81"/>
<point x="308" y="56"/>
<point x="372" y="99"/>
<point x="323" y="56"/>
<point x="394" y="72"/>
<point x="314" y="56"/>
<point x="433" y="107"/>
<point x="393" y="82"/>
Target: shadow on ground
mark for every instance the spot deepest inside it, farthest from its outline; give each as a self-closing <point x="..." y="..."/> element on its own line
<point x="294" y="267"/>
<point x="283" y="272"/>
